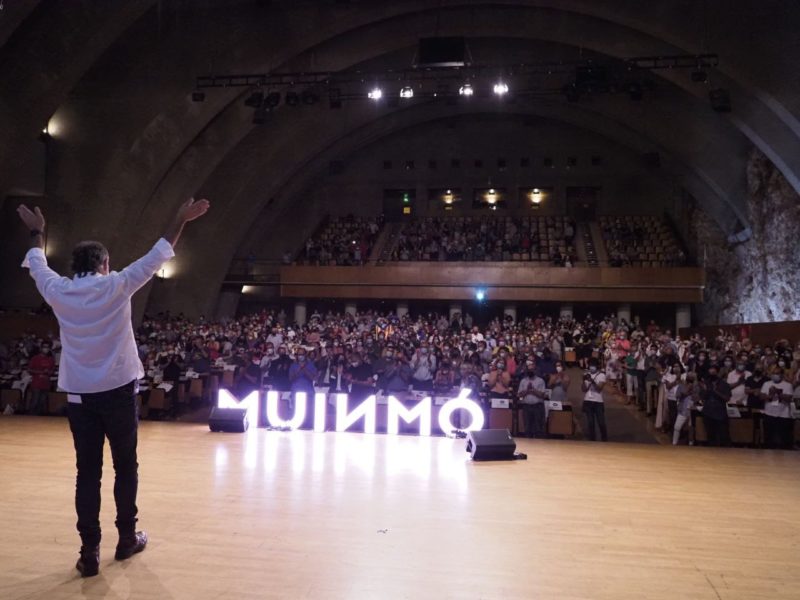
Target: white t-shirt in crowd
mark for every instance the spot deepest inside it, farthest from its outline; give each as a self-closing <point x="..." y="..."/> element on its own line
<point x="592" y="395"/>
<point x="738" y="394"/>
<point x="670" y="377"/>
<point x="777" y="408"/>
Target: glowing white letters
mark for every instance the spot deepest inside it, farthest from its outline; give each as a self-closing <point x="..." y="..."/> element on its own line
<point x="345" y="419"/>
<point x="462" y="401"/>
<point x="250" y="402"/>
<point x="397" y="411"/>
<point x="274" y="419"/>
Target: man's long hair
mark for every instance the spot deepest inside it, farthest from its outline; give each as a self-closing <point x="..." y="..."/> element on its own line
<point x="87" y="257"/>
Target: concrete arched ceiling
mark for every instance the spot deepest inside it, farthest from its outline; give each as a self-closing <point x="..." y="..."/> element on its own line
<point x="133" y="143"/>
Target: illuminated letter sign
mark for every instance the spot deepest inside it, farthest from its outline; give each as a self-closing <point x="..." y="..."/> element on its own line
<point x="250" y="402"/>
<point x="366" y="409"/>
<point x="274" y="419"/>
<point x="463" y="401"/>
<point x="397" y="411"/>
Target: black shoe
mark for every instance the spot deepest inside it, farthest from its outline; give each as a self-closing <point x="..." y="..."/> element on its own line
<point x="89" y="562"/>
<point x="128" y="546"/>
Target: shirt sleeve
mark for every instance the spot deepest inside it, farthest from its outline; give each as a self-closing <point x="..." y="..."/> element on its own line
<point x="36" y="263"/>
<point x="139" y="272"/>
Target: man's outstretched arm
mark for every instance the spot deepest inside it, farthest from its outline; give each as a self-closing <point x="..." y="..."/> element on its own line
<point x="189" y="211"/>
<point x="140" y="271"/>
<point x="34" y="221"/>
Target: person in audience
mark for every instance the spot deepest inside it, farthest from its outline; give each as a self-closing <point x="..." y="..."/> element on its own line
<point x="498" y="380"/>
<point x="337" y="381"/>
<point x="671" y="381"/>
<point x="41" y="367"/>
<point x="593" y="407"/>
<point x="715" y="394"/>
<point x="559" y="383"/>
<point x="687" y="394"/>
<point x="361" y="377"/>
<point x="100" y="369"/>
<point x="778" y="421"/>
<point x="250" y="377"/>
<point x="532" y="394"/>
<point x="199" y="357"/>
<point x="423" y="367"/>
<point x="278" y="374"/>
<point x="753" y="386"/>
<point x="737" y="380"/>
<point x="302" y="374"/>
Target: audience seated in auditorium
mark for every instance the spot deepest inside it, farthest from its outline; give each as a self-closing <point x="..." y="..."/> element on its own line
<point x="642" y="241"/>
<point x="481" y="238"/>
<point x="343" y="241"/>
<point x="372" y="351"/>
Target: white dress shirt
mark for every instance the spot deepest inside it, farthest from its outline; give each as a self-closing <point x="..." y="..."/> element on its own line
<point x="94" y="314"/>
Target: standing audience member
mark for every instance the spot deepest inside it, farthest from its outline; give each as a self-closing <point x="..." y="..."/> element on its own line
<point x="715" y="394"/>
<point x="532" y="394"/>
<point x="41" y="367"/>
<point x="778" y="421"/>
<point x="593" y="383"/>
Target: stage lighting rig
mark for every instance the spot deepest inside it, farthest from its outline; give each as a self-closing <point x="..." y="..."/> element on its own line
<point x="446" y="78"/>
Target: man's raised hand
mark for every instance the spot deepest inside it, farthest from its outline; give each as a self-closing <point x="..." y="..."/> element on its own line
<point x="193" y="209"/>
<point x="33" y="219"/>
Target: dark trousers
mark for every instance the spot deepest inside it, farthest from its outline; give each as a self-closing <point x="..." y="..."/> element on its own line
<point x="111" y="414"/>
<point x="672" y="414"/>
<point x="778" y="432"/>
<point x="534" y="420"/>
<point x="717" y="432"/>
<point x="595" y="412"/>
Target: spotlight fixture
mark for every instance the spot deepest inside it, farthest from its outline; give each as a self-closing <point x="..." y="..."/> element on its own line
<point x="500" y="88"/>
<point x="198" y="96"/>
<point x="466" y="90"/>
<point x="375" y="94"/>
<point x="292" y="99"/>
<point x="407" y="92"/>
<point x="536" y="196"/>
<point x="480" y="295"/>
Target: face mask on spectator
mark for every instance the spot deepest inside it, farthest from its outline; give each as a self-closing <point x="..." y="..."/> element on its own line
<point x="740" y="367"/>
<point x="301" y="358"/>
<point x="592" y="369"/>
<point x="776" y="378"/>
<point x="559" y="368"/>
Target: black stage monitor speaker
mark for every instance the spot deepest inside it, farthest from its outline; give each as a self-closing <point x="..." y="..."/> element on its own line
<point x="233" y="420"/>
<point x="491" y="444"/>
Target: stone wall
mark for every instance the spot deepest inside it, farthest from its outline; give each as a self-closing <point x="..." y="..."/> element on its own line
<point x="755" y="280"/>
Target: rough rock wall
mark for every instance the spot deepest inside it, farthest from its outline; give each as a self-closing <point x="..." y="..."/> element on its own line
<point x="757" y="280"/>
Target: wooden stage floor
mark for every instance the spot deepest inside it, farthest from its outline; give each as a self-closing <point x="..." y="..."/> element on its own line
<point x="304" y="515"/>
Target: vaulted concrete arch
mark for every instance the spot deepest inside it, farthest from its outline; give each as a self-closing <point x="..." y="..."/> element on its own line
<point x="134" y="143"/>
<point x="268" y="167"/>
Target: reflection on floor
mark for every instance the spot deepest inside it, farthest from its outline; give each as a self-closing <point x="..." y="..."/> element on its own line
<point x="324" y="515"/>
